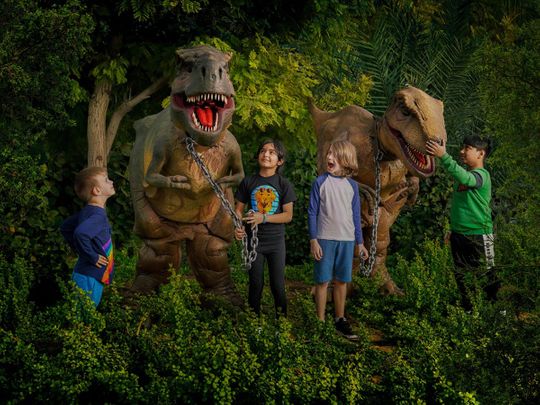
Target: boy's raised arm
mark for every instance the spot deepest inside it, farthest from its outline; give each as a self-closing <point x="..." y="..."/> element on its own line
<point x="456" y="171"/>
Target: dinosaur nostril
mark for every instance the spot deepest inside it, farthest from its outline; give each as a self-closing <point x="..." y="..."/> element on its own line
<point x="203" y="71"/>
<point x="220" y="73"/>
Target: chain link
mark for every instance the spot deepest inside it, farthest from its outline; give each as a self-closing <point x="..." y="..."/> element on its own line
<point x="248" y="256"/>
<point x="377" y="157"/>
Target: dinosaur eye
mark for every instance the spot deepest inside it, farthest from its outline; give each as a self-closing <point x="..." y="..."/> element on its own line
<point x="404" y="110"/>
<point x="185" y="66"/>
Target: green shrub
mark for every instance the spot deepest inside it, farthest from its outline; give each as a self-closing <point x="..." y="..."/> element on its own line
<point x="168" y="347"/>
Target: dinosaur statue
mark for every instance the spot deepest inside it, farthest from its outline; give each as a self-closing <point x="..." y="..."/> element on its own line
<point x="173" y="201"/>
<point x="399" y="138"/>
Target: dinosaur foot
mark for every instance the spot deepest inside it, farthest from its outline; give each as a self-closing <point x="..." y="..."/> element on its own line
<point x="390" y="288"/>
<point x="143" y="284"/>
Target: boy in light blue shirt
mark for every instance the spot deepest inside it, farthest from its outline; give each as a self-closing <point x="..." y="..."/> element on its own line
<point x="335" y="230"/>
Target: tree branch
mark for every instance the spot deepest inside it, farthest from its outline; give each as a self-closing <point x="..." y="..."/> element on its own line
<point x="127" y="106"/>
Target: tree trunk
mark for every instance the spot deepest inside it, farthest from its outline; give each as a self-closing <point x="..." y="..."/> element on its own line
<point x="97" y="123"/>
<point x="100" y="135"/>
<point x="126" y="107"/>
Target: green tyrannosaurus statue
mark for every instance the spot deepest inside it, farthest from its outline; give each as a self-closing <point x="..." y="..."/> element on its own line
<point x="173" y="201"/>
<point x="400" y="135"/>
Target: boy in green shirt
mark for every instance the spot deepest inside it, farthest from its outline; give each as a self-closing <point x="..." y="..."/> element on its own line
<point x="471" y="238"/>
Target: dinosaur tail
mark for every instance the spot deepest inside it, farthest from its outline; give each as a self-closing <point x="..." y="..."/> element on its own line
<point x="319" y="116"/>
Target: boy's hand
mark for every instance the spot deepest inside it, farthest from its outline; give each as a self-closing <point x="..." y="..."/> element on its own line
<point x="102" y="260"/>
<point x="239" y="233"/>
<point x="361" y="252"/>
<point x="436" y="149"/>
<point x="316" y="250"/>
<point x="254" y="218"/>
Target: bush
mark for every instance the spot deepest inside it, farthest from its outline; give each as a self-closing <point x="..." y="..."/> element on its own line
<point x="167" y="348"/>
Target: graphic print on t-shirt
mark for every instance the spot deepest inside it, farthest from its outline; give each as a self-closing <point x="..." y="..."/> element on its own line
<point x="107" y="275"/>
<point x="265" y="199"/>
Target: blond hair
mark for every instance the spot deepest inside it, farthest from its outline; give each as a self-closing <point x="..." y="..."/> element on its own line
<point x="345" y="154"/>
<point x="86" y="180"/>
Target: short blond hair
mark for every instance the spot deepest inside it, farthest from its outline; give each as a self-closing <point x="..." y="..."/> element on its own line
<point x="85" y="181"/>
<point x="345" y="154"/>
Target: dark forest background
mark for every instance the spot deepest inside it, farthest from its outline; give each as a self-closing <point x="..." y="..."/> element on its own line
<point x="77" y="73"/>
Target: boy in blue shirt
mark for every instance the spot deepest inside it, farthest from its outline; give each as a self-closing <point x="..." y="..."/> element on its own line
<point x="335" y="230"/>
<point x="89" y="233"/>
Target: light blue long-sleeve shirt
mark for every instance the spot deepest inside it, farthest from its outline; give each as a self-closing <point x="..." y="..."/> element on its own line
<point x="334" y="209"/>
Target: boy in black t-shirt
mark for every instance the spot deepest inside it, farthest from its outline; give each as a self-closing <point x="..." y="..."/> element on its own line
<point x="271" y="197"/>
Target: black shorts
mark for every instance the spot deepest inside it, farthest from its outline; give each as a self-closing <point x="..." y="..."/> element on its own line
<point x="472" y="250"/>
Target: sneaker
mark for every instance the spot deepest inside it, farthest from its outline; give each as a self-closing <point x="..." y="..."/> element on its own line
<point x="344" y="327"/>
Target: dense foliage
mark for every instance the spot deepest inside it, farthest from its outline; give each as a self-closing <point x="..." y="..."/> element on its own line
<point x="480" y="57"/>
<point x="169" y="349"/>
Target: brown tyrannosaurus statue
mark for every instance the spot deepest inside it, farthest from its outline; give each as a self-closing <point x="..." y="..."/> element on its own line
<point x="412" y="118"/>
<point x="173" y="201"/>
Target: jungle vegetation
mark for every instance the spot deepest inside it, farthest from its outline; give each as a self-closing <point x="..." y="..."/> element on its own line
<point x="75" y="75"/>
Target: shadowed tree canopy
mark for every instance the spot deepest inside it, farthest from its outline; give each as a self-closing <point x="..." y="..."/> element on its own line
<point x="75" y="74"/>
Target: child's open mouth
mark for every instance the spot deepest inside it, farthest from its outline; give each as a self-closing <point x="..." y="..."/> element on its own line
<point x="330" y="165"/>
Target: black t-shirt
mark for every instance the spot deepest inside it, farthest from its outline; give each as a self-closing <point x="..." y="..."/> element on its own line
<point x="266" y="195"/>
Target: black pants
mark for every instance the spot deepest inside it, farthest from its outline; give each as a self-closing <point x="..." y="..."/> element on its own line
<point x="470" y="253"/>
<point x="274" y="253"/>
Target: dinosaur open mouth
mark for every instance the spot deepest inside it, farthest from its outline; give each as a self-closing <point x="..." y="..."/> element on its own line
<point x="421" y="162"/>
<point x="205" y="110"/>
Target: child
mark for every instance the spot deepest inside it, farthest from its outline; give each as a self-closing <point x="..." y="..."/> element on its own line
<point x="334" y="229"/>
<point x="89" y="233"/>
<point x="271" y="197"/>
<point x="471" y="238"/>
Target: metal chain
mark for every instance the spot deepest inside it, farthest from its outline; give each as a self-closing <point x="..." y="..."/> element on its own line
<point x="248" y="256"/>
<point x="377" y="157"/>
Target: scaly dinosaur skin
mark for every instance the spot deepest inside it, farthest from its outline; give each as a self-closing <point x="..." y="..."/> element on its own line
<point x="410" y="121"/>
<point x="172" y="200"/>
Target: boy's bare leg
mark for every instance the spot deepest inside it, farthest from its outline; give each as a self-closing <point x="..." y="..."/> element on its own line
<point x="320" y="299"/>
<point x="340" y="294"/>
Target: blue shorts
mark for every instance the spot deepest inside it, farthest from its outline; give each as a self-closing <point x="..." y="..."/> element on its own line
<point x="336" y="262"/>
<point x="92" y="287"/>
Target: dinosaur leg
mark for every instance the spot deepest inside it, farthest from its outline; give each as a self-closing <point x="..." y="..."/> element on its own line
<point x="207" y="255"/>
<point x="380" y="271"/>
<point x="160" y="249"/>
<point x="156" y="257"/>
